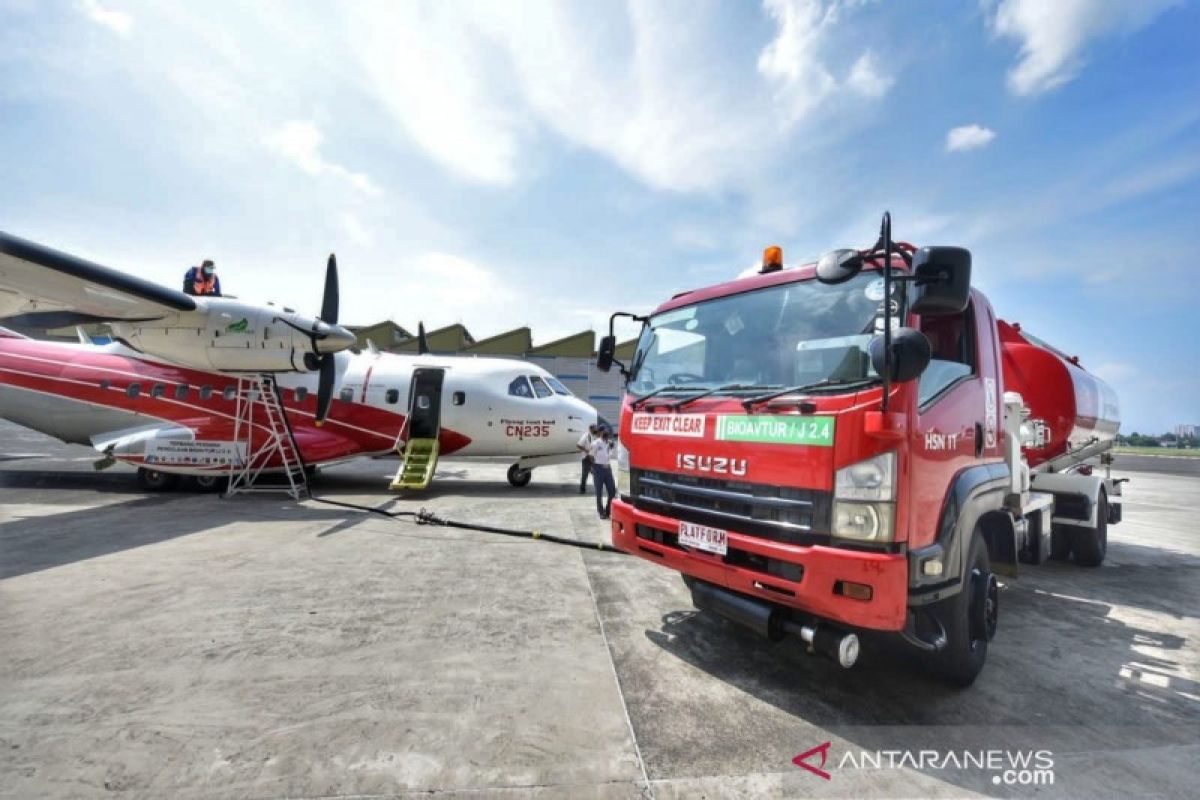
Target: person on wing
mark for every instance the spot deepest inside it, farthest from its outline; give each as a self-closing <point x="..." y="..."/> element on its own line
<point x="202" y="280"/>
<point x="601" y="451"/>
<point x="584" y="446"/>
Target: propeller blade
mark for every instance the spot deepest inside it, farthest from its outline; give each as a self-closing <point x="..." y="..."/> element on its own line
<point x="422" y="342"/>
<point x="325" y="386"/>
<point x="329" y="303"/>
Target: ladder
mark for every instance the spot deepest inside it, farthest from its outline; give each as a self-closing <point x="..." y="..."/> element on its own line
<point x="263" y="440"/>
<point x="420" y="460"/>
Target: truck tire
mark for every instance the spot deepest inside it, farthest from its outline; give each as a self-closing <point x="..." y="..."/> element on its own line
<point x="969" y="619"/>
<point x="1091" y="544"/>
<point x="1060" y="543"/>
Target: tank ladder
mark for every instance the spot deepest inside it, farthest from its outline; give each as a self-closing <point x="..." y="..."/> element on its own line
<point x="264" y="442"/>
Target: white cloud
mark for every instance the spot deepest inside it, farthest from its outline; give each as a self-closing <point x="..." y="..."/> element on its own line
<point x="968" y="137"/>
<point x="1055" y="35"/>
<point x="355" y="231"/>
<point x="118" y="22"/>
<point x="792" y="58"/>
<point x="866" y="79"/>
<point x="477" y="86"/>
<point x="695" y="238"/>
<point x="300" y="143"/>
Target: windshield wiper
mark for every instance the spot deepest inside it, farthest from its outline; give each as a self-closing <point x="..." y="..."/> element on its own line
<point x="750" y="402"/>
<point x="670" y="387"/>
<point x="730" y="387"/>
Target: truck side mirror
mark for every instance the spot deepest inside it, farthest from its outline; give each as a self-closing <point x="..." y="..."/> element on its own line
<point x="839" y="266"/>
<point x="909" y="358"/>
<point x="604" y="356"/>
<point x="943" y="280"/>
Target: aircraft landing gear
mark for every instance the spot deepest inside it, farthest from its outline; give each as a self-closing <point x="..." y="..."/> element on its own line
<point x="519" y="477"/>
<point x="153" y="480"/>
<point x="211" y="483"/>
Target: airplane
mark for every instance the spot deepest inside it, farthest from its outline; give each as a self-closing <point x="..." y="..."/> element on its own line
<point x="168" y="394"/>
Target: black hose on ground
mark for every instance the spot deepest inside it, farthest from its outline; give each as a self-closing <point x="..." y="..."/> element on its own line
<point x="424" y="517"/>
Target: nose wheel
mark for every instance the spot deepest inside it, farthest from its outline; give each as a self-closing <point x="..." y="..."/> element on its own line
<point x="519" y="477"/>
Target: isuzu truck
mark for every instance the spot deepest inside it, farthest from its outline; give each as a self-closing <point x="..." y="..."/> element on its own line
<point x="858" y="444"/>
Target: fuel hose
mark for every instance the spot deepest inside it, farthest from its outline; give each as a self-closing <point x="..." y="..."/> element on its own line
<point x="425" y="517"/>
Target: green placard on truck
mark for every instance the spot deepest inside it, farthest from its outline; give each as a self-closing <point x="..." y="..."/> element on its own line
<point x="816" y="431"/>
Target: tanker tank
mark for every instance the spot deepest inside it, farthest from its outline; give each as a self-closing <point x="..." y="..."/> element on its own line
<point x="1076" y="407"/>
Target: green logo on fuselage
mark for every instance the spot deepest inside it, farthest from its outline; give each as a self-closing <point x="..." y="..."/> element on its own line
<point x="241" y="326"/>
<point x="816" y="431"/>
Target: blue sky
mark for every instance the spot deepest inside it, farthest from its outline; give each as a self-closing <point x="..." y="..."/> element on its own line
<point x="505" y="163"/>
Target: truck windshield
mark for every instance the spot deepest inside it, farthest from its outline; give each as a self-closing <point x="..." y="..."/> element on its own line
<point x="786" y="335"/>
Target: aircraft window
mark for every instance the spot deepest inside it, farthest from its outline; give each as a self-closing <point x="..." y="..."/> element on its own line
<point x="458" y="398"/>
<point x="346" y="395"/>
<point x="105" y="383"/>
<point x="423" y="402"/>
<point x="181" y="391"/>
<point x="205" y="392"/>
<point x="158" y="390"/>
<point x="229" y="392"/>
<point x="300" y="393"/>
<point x="133" y="390"/>
<point x="520" y="387"/>
<point x="540" y="387"/>
<point x="392" y="396"/>
<point x="557" y="386"/>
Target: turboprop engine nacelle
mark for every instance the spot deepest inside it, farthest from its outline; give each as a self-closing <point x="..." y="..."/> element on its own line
<point x="231" y="336"/>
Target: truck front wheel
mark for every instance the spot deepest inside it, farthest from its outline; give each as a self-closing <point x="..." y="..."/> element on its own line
<point x="1091" y="544"/>
<point x="969" y="619"/>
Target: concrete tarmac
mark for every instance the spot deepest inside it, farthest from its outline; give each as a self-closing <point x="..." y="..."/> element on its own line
<point x="194" y="646"/>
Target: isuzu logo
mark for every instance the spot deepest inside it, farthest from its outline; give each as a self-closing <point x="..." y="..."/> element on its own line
<point x="717" y="465"/>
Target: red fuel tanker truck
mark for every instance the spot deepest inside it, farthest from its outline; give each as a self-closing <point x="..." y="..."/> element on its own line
<point x="858" y="444"/>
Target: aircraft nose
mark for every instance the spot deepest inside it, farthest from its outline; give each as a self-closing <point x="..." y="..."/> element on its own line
<point x="333" y="338"/>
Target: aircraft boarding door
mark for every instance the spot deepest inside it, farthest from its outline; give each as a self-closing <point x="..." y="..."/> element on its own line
<point x="424" y="424"/>
<point x="425" y="404"/>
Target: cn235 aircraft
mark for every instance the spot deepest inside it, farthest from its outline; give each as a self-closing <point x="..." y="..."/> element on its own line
<point x="163" y="396"/>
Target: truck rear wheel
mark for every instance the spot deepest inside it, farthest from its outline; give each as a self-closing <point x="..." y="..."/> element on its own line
<point x="1091" y="544"/>
<point x="969" y="619"/>
<point x="1060" y="543"/>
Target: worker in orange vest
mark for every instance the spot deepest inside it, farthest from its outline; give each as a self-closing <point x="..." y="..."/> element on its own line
<point x="202" y="280"/>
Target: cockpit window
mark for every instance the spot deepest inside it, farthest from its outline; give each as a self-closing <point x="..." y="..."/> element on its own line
<point x="557" y="386"/>
<point x="520" y="387"/>
<point x="540" y="387"/>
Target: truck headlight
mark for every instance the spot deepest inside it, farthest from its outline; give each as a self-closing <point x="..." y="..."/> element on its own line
<point x="873" y="479"/>
<point x="622" y="470"/>
<point x="864" y="500"/>
<point x="867" y="522"/>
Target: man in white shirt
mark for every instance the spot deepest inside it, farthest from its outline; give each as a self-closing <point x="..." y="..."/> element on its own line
<point x="601" y="452"/>
<point x="585" y="446"/>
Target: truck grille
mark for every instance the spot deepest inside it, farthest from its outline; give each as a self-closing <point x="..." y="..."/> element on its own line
<point x="780" y="513"/>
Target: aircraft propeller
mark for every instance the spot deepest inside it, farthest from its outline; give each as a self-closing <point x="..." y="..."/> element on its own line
<point x="327" y="338"/>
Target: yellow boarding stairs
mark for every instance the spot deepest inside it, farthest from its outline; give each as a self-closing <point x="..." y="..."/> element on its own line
<point x="416" y="470"/>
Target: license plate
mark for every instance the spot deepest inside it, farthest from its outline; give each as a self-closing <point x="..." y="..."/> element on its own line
<point x="710" y="540"/>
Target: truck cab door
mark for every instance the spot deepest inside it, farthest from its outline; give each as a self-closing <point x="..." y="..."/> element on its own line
<point x="950" y="417"/>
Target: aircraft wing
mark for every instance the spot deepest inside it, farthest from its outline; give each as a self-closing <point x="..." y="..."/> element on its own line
<point x="45" y="288"/>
